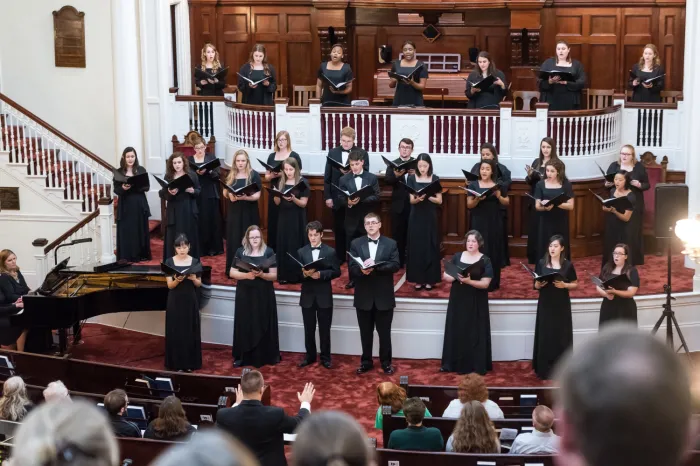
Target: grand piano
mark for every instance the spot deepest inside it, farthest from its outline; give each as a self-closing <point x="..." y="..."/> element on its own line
<point x="70" y="295"/>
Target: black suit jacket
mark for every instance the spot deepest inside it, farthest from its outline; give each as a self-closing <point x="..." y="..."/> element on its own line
<point x="377" y="288"/>
<point x="319" y="290"/>
<point x="260" y="428"/>
<point x="355" y="215"/>
<point x="400" y="200"/>
<point x="333" y="174"/>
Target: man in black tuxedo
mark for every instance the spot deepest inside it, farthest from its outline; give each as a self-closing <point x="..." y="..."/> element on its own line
<point x="400" y="200"/>
<point x="331" y="177"/>
<point x="316" y="298"/>
<point x="262" y="428"/>
<point x="374" y="296"/>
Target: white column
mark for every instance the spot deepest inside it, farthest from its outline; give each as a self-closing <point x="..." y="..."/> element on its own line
<point x="106" y="219"/>
<point x="691" y="120"/>
<point x="182" y="39"/>
<point x="40" y="262"/>
<point x="127" y="75"/>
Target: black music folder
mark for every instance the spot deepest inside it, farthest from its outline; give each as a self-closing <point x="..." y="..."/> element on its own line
<point x="484" y="83"/>
<point x="400" y="76"/>
<point x="200" y="74"/>
<point x="167" y="270"/>
<point x="563" y="75"/>
<point x="429" y="190"/>
<point x="209" y="166"/>
<point x="486" y="193"/>
<point x="618" y="282"/>
<point x="276" y="169"/>
<point x="407" y="165"/>
<point x="362" y="193"/>
<point x="556" y="201"/>
<point x="621" y="204"/>
<point x="313" y="265"/>
<point x="362" y="263"/>
<point x="296" y="189"/>
<point x="250" y="267"/>
<point x="339" y="165"/>
<point x="469" y="175"/>
<point x="136" y="181"/>
<point x="547" y="277"/>
<point x="339" y="85"/>
<point x="608" y="176"/>
<point x="254" y="83"/>
<point x="247" y="190"/>
<point x="456" y="271"/>
<point x="181" y="183"/>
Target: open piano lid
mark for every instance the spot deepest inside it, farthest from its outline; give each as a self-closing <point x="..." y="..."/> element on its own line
<point x="53" y="279"/>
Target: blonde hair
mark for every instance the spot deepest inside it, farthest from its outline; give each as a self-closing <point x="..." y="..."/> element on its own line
<point x="348" y="131"/>
<point x="634" y="154"/>
<point x="14" y="401"/>
<point x="4" y="255"/>
<point x="474" y="432"/>
<point x="289" y="140"/>
<point x="216" y="63"/>
<point x="247" y="247"/>
<point x="65" y="433"/>
<point x="231" y="178"/>
<point x="657" y="59"/>
<point x="291" y="161"/>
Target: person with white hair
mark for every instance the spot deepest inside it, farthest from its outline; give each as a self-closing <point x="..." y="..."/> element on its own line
<point x="212" y="447"/>
<point x="56" y="391"/>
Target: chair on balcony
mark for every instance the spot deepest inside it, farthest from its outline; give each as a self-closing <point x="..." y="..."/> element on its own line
<point x="526" y="100"/>
<point x="657" y="174"/>
<point x="599" y="98"/>
<point x="302" y="94"/>
<point x="278" y="93"/>
<point x="670" y="97"/>
<point x="433" y="93"/>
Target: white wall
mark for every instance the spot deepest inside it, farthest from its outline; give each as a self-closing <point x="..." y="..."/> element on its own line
<point x="77" y="101"/>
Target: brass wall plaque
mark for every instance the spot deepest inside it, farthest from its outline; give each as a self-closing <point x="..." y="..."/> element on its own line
<point x="9" y="198"/>
<point x="69" y="37"/>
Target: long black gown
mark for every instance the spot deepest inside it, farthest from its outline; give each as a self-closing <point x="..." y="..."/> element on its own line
<point x="182" y="216"/>
<point x="8" y="333"/>
<point x="211" y="241"/>
<point x="261" y="95"/>
<point x="272" y="208"/>
<point x="10" y="291"/>
<point x="208" y="89"/>
<point x="488" y="98"/>
<point x="239" y="216"/>
<point x="406" y="94"/>
<point x="636" y="223"/>
<point x="533" y="222"/>
<point x="255" y="333"/>
<point x="562" y="96"/>
<point x="467" y="343"/>
<point x="486" y="218"/>
<point x="343" y="75"/>
<point x="618" y="308"/>
<point x="617" y="231"/>
<point x="505" y="179"/>
<point x="554" y="332"/>
<point x="641" y="93"/>
<point x="291" y="236"/>
<point x="183" y="338"/>
<point x="133" y="237"/>
<point x="555" y="221"/>
<point x="423" y="244"/>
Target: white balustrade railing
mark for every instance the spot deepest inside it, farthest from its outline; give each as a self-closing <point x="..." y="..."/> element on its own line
<point x="587" y="134"/>
<point x="656" y="128"/>
<point x="463" y="134"/>
<point x="250" y="127"/>
<point x="372" y="128"/>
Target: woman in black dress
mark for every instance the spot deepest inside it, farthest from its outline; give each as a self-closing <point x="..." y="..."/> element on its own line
<point x="423" y="244"/>
<point x="553" y="220"/>
<point x="554" y="332"/>
<point x="503" y="177"/>
<point x="649" y="67"/>
<point x="467" y="343"/>
<point x="183" y="339"/>
<point x="486" y="217"/>
<point x="212" y="65"/>
<point x="337" y="72"/>
<point x="558" y="93"/>
<point x="133" y="235"/>
<point x="617" y="223"/>
<point x="242" y="211"/>
<point x="535" y="172"/>
<point x="181" y="210"/>
<point x="639" y="182"/>
<point x="618" y="304"/>
<point x="257" y="68"/>
<point x="492" y="95"/>
<point x="210" y="237"/>
<point x="291" y="222"/>
<point x="255" y="334"/>
<point x="409" y="92"/>
<point x="283" y="150"/>
<point x="12" y="287"/>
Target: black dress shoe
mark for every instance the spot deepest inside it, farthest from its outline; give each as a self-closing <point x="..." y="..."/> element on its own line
<point x="388" y="370"/>
<point x="306" y="362"/>
<point x="238" y="363"/>
<point x="363" y="368"/>
<point x="443" y="369"/>
<point x="283" y="282"/>
<point x="326" y="364"/>
<point x="350" y="285"/>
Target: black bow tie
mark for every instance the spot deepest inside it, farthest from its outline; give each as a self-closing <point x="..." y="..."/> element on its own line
<point x="375" y="241"/>
<point x="358" y="176"/>
<point x="315" y="249"/>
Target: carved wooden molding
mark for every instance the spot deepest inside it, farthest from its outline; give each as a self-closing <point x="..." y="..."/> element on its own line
<point x="327" y="39"/>
<point x="69" y="37"/>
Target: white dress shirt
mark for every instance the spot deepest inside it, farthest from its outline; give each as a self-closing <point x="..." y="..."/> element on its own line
<point x="358" y="180"/>
<point x="372" y="248"/>
<point x="315" y="253"/>
<point x="454" y="409"/>
<point x="535" y="443"/>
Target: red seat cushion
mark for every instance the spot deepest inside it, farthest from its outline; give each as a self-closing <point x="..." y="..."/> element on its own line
<point x="654" y="174"/>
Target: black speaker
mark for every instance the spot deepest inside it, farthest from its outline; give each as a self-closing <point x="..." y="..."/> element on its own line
<point x="670" y="205"/>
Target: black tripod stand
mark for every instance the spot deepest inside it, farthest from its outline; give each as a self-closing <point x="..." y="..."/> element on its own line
<point x="668" y="313"/>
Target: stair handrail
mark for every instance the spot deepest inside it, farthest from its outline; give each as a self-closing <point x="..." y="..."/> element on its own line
<point x="74" y="229"/>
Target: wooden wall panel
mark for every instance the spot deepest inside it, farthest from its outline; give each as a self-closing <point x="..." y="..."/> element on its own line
<point x="234" y="38"/>
<point x="365" y="45"/>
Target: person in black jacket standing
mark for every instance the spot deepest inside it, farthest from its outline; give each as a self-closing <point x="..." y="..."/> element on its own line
<point x="211" y="241"/>
<point x="332" y="177"/>
<point x="262" y="428"/>
<point x="316" y="298"/>
<point x="374" y="297"/>
<point x="400" y="201"/>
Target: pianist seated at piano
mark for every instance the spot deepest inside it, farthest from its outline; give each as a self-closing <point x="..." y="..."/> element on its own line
<point x="481" y="94"/>
<point x="409" y="76"/>
<point x="12" y="288"/>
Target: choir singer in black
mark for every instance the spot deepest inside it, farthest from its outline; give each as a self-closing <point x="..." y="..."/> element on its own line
<point x="559" y="93"/>
<point x="647" y="77"/>
<point x="400" y="200"/>
<point x="486" y="85"/>
<point x="316" y="298"/>
<point x="377" y="259"/>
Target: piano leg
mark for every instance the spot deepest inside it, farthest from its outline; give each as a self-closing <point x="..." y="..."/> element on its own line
<point x="62" y="341"/>
<point x="77" y="333"/>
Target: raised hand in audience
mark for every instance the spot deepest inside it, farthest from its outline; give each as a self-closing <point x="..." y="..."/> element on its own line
<point x="307" y="395"/>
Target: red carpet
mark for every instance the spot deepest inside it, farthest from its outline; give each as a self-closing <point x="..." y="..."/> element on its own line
<point x="515" y="282"/>
<point x="339" y="388"/>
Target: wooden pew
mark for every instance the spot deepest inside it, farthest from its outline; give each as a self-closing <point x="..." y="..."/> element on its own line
<point x="142" y="452"/>
<point x="387" y="457"/>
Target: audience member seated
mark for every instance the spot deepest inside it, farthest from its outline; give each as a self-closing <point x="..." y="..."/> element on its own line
<point x="390" y="394"/>
<point x="115" y="403"/>
<point x="14" y="404"/>
<point x="208" y="448"/>
<point x="416" y="436"/>
<point x="56" y="391"/>
<point x="331" y="438"/>
<point x="171" y="423"/>
<point x="60" y="434"/>
<point x="474" y="432"/>
<point x="624" y="400"/>
<point x="262" y="428"/>
<point x="472" y="388"/>
<point x="542" y="440"/>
